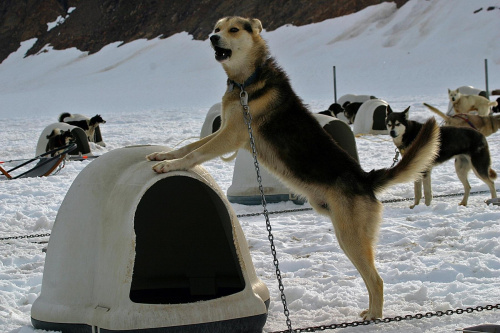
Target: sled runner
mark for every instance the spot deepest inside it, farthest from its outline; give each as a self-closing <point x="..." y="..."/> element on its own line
<point x="45" y="166"/>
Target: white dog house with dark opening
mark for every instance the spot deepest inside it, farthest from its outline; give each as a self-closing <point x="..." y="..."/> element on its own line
<point x="134" y="251"/>
<point x="370" y="118"/>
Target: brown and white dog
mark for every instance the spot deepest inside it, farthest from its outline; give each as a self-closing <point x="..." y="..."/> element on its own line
<point x="293" y="145"/>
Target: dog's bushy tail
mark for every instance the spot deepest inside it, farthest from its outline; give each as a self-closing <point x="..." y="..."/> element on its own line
<point x="64" y="115"/>
<point x="416" y="159"/>
<point x="437" y="111"/>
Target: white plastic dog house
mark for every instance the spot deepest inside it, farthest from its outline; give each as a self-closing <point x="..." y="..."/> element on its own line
<point x="370" y="118"/>
<point x="244" y="188"/>
<point x="212" y="120"/>
<point x="466" y="90"/>
<point x="79" y="135"/>
<point x="134" y="251"/>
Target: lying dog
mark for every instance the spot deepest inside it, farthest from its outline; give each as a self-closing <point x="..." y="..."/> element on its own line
<point x="351" y="110"/>
<point x="291" y="144"/>
<point x="333" y="110"/>
<point x="468" y="146"/>
<point x="467" y="103"/>
<point x="487" y="125"/>
<point x="87" y="124"/>
<point x="58" y="138"/>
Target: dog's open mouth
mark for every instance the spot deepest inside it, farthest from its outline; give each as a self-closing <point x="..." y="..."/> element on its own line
<point x="222" y="54"/>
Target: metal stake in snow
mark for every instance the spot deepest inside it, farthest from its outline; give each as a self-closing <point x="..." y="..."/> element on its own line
<point x="248" y="120"/>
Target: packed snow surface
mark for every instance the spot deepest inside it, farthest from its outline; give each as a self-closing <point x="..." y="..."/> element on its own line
<point x="436" y="257"/>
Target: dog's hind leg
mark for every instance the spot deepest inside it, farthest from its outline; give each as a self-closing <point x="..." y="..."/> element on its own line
<point x="426" y="182"/>
<point x="462" y="168"/>
<point x="417" y="189"/>
<point x="356" y="226"/>
<point x="484" y="172"/>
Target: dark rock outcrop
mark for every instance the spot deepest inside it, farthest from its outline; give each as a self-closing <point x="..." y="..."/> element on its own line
<point x="94" y="24"/>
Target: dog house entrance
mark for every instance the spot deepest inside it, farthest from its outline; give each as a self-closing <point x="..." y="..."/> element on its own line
<point x="184" y="245"/>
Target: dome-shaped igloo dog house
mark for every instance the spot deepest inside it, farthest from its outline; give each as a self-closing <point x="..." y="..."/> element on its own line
<point x="351" y="98"/>
<point x="134" y="251"/>
<point x="244" y="188"/>
<point x="78" y="134"/>
<point x="370" y="118"/>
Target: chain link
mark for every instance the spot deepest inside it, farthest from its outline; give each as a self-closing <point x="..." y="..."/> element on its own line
<point x="248" y="121"/>
<point x="396" y="318"/>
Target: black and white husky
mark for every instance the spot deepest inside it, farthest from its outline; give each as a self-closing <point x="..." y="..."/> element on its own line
<point x="89" y="125"/>
<point x="468" y="146"/>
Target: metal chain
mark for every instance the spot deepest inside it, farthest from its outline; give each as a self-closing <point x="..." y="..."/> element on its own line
<point x="391" y="319"/>
<point x="248" y="120"/>
<point x="24" y="236"/>
<point x="396" y="158"/>
<point x="383" y="201"/>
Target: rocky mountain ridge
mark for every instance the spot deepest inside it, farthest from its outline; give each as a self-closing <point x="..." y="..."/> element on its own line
<point x="89" y="25"/>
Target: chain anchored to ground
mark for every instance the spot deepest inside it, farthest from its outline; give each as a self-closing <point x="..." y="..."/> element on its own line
<point x="383" y="201"/>
<point x="392" y="319"/>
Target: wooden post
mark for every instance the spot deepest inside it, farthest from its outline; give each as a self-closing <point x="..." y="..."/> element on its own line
<point x="486" y="78"/>
<point x="334" y="84"/>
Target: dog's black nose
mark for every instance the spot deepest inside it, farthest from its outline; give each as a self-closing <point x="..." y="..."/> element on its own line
<point x="214" y="39"/>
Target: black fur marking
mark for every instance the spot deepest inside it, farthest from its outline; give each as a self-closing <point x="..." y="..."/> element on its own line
<point x="248" y="27"/>
<point x="313" y="157"/>
<point x="79" y="123"/>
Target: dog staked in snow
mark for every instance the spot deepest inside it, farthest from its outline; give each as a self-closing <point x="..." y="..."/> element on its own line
<point x="468" y="146"/>
<point x="292" y="145"/>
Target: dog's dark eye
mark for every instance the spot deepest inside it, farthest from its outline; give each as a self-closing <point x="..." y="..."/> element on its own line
<point x="216" y="30"/>
<point x="234" y="30"/>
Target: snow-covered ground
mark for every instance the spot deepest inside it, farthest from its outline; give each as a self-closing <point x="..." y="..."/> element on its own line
<point x="432" y="258"/>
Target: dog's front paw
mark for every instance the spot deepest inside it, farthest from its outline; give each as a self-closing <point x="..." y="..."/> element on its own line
<point x="163" y="167"/>
<point x="368" y="315"/>
<point x="160" y="156"/>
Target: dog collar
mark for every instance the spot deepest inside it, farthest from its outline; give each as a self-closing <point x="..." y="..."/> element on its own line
<point x="251" y="79"/>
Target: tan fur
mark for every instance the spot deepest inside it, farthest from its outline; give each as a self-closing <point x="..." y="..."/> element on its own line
<point x="487" y="125"/>
<point x="356" y="218"/>
<point x="467" y="103"/>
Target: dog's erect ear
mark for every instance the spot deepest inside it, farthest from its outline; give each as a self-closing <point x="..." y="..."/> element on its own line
<point x="406" y="112"/>
<point x="256" y="25"/>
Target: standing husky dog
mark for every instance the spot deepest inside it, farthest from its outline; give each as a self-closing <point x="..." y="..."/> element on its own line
<point x="89" y="125"/>
<point x="466" y="144"/>
<point x="466" y="103"/>
<point x="293" y="145"/>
